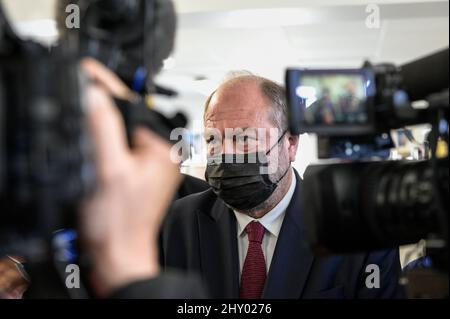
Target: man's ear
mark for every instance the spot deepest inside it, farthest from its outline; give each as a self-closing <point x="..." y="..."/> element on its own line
<point x="293" y="141"/>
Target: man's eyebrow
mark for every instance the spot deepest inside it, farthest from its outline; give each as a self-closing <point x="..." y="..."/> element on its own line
<point x="242" y="131"/>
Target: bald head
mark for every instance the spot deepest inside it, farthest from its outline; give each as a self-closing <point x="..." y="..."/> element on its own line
<point x="250" y="98"/>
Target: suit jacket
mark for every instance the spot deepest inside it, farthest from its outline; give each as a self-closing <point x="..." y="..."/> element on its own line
<point x="200" y="236"/>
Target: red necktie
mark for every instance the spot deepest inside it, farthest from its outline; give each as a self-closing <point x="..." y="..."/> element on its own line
<point x="254" y="271"/>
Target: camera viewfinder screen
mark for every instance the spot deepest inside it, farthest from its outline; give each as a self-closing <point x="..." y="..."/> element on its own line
<point x="333" y="98"/>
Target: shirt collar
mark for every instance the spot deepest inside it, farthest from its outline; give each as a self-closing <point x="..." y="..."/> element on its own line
<point x="273" y="220"/>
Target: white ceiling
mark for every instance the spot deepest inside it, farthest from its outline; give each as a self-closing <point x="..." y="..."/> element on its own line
<point x="266" y="36"/>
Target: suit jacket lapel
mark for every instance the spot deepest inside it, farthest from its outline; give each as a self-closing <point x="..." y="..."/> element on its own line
<point x="219" y="250"/>
<point x="292" y="260"/>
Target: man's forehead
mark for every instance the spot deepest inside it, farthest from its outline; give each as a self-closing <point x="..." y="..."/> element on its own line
<point x="251" y="131"/>
<point x="237" y="102"/>
<point x="241" y="116"/>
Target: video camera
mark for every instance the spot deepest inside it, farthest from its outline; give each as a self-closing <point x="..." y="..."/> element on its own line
<point x="46" y="158"/>
<point x="122" y="35"/>
<point x="359" y="199"/>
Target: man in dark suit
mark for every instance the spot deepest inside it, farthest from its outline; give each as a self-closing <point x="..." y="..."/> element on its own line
<point x="245" y="235"/>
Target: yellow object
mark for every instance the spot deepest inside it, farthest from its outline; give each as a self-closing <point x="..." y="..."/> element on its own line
<point x="441" y="149"/>
<point x="150" y="101"/>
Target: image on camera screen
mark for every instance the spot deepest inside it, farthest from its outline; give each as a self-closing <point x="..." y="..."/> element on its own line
<point x="333" y="98"/>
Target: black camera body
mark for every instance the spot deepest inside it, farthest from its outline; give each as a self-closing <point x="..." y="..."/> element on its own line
<point x="130" y="37"/>
<point x="359" y="200"/>
<point x="46" y="161"/>
<point x="46" y="155"/>
<point x="366" y="101"/>
<point x="353" y="110"/>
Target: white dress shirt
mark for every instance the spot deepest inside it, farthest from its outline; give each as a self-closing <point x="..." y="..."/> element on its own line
<point x="271" y="221"/>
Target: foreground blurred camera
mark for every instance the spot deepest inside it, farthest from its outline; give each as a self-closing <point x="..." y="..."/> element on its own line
<point x="359" y="200"/>
<point x="46" y="161"/>
<point x="46" y="165"/>
<point x="130" y="37"/>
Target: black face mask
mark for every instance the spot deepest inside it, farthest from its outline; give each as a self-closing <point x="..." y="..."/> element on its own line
<point x="241" y="185"/>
